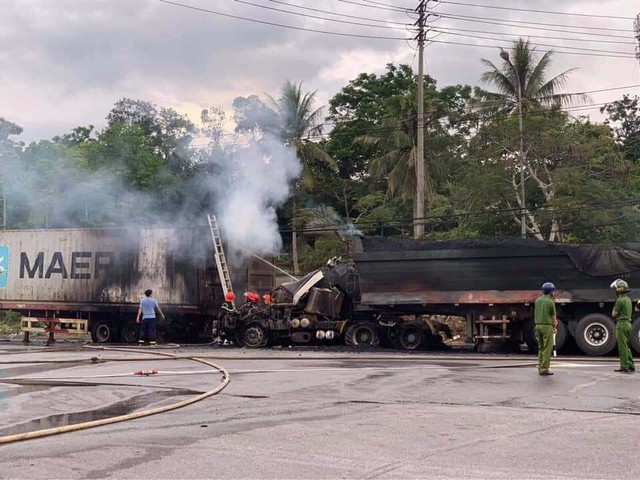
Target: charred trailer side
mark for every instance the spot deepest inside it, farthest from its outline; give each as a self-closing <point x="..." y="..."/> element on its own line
<point x="101" y="274"/>
<point x="493" y="284"/>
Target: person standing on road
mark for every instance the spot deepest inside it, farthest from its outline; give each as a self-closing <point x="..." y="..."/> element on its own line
<point x="622" y="315"/>
<point x="147" y="311"/>
<point x="546" y="325"/>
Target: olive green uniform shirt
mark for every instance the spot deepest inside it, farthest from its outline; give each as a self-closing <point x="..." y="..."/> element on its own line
<point x="545" y="310"/>
<point x="623" y="306"/>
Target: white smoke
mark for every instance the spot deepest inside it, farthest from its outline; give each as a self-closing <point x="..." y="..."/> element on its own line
<point x="259" y="181"/>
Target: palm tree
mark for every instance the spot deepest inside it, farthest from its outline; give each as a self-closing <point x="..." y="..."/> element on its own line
<point x="521" y="82"/>
<point x="522" y="86"/>
<point x="396" y="140"/>
<point x="296" y="123"/>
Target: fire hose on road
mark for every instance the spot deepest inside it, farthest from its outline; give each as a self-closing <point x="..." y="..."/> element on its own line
<point x="131" y="416"/>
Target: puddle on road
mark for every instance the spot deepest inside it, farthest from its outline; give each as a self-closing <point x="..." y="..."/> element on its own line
<point x="120" y="408"/>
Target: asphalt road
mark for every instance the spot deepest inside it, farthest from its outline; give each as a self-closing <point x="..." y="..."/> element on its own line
<point x="291" y="414"/>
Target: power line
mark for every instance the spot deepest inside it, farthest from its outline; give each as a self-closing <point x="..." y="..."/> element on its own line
<point x="609" y="89"/>
<point x="533" y="11"/>
<point x="504" y="23"/>
<point x="555" y="51"/>
<point x="264" y="22"/>
<point x="588" y="40"/>
<point x="369" y="19"/>
<point x="306" y="15"/>
<point x="629" y="54"/>
<point x="386" y="7"/>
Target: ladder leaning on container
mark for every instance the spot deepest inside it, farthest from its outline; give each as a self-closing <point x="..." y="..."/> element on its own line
<point x="218" y="253"/>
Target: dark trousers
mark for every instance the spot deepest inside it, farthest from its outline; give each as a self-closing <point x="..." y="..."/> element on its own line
<point x="148" y="330"/>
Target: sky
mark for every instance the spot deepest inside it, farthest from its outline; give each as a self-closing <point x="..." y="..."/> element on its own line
<point x="65" y="63"/>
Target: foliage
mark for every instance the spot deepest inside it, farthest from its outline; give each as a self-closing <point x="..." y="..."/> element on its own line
<point x="325" y="247"/>
<point x="10" y="322"/>
<point x="624" y="119"/>
<point x="521" y="79"/>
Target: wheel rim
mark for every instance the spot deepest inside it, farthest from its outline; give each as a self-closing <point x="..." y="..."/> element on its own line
<point x="254" y="336"/>
<point x="103" y="333"/>
<point x="596" y="334"/>
<point x="363" y="336"/>
<point x="410" y="338"/>
<point x="129" y="335"/>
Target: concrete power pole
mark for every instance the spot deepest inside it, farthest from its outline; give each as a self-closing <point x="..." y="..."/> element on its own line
<point x="636" y="29"/>
<point x="418" y="225"/>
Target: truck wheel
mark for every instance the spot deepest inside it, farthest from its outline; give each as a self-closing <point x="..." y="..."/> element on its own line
<point x="529" y="335"/>
<point x="129" y="333"/>
<point x="362" y="334"/>
<point x="254" y="336"/>
<point x="410" y="337"/>
<point x="634" y="340"/>
<point x="595" y="334"/>
<point x="103" y="332"/>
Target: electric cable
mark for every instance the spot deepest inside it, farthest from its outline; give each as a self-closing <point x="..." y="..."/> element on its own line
<point x="514" y="9"/>
<point x="524" y="22"/>
<point x="582" y="49"/>
<point x="282" y="25"/>
<point x="337" y="14"/>
<point x="561" y="52"/>
<point x="527" y="27"/>
<point x="306" y="15"/>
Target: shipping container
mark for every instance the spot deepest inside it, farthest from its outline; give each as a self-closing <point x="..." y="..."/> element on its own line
<point x="101" y="275"/>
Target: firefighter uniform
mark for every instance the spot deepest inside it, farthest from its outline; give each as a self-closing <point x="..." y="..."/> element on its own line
<point x="622" y="313"/>
<point x="545" y="311"/>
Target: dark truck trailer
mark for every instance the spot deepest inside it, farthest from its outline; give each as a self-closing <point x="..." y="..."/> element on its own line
<point x="390" y="290"/>
<point x="494" y="283"/>
<point x="100" y="275"/>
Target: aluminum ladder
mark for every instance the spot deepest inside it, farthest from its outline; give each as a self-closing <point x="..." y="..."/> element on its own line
<point x="218" y="253"/>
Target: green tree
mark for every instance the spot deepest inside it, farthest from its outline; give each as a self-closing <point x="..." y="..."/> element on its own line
<point x="623" y="116"/>
<point x="9" y="151"/>
<point x="571" y="164"/>
<point x="523" y="87"/>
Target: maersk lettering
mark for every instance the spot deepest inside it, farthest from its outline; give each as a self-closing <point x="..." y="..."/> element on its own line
<point x="38" y="266"/>
<point x="80" y="263"/>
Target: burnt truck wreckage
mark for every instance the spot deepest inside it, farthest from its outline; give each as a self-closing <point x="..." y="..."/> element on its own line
<point x="388" y="288"/>
<point x="386" y="292"/>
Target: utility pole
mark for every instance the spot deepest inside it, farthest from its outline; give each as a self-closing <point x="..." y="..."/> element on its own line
<point x="418" y="225"/>
<point x="636" y="30"/>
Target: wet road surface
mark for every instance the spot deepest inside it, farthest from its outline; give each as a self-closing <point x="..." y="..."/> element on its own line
<point x="292" y="414"/>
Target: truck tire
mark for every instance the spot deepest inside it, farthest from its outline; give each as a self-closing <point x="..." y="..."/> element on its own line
<point x="595" y="334"/>
<point x="254" y="335"/>
<point x="129" y="333"/>
<point x="362" y="334"/>
<point x="411" y="337"/>
<point x="529" y="336"/>
<point x="634" y="340"/>
<point x="103" y="332"/>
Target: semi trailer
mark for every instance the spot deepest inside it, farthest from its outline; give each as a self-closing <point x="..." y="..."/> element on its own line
<point x="383" y="292"/>
<point x="100" y="274"/>
<point x="388" y="290"/>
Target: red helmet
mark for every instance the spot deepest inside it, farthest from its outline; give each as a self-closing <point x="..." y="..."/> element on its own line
<point x="252" y="297"/>
<point x="230" y="297"/>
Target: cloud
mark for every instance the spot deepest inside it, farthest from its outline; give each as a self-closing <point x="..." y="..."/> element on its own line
<point x="69" y="60"/>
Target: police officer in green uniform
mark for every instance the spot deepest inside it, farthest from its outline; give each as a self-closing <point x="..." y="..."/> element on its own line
<point x="546" y="324"/>
<point x="622" y="315"/>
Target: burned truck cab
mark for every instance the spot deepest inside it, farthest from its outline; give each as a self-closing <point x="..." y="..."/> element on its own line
<point x="315" y="308"/>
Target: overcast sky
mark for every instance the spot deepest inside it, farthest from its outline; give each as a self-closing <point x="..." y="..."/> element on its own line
<point x="65" y="62"/>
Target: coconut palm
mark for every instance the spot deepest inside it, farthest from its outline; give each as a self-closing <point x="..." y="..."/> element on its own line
<point x="296" y="123"/>
<point x="522" y="86"/>
<point x="522" y="82"/>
